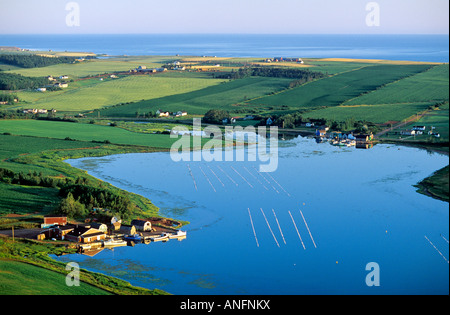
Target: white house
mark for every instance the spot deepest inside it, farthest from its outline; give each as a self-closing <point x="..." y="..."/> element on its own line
<point x="408" y="132"/>
<point x="41" y="89"/>
<point x="162" y="113"/>
<point x="63" y="77"/>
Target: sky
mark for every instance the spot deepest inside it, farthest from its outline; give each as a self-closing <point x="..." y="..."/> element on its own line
<point x="224" y="16"/>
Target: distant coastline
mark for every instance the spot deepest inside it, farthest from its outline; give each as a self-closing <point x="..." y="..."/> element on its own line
<point x="424" y="48"/>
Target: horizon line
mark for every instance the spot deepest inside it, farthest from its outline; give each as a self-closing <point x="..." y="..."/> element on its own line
<point x="220" y="33"/>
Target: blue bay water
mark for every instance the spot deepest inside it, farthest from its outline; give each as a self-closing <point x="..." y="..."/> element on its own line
<point x="359" y="205"/>
<point x="433" y="48"/>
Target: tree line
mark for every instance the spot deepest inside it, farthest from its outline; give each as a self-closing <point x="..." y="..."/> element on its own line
<point x="301" y="75"/>
<point x="13" y="81"/>
<point x="79" y="196"/>
<point x="34" y="61"/>
<point x="8" y="98"/>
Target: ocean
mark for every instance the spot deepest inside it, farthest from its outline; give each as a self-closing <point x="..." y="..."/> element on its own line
<point x="432" y="48"/>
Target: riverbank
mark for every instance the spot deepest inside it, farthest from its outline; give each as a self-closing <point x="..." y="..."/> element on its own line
<point x="27" y="258"/>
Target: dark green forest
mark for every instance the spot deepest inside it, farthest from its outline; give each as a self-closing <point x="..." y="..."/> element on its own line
<point x="12" y="81"/>
<point x="33" y="61"/>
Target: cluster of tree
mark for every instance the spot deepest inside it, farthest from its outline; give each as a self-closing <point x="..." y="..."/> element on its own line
<point x="8" y="98"/>
<point x="71" y="208"/>
<point x="12" y="81"/>
<point x="97" y="197"/>
<point x="31" y="179"/>
<point x="301" y="75"/>
<point x="11" y="114"/>
<point x="216" y="116"/>
<point x="33" y="61"/>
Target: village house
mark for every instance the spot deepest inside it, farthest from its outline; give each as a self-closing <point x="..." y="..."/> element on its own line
<point x="61" y="85"/>
<point x="364" y="137"/>
<point x="41" y="89"/>
<point x="180" y="114"/>
<point x="85" y="234"/>
<point x="162" y="113"/>
<point x="419" y="128"/>
<point x="321" y="132"/>
<point x="63" y="77"/>
<point x="142" y="225"/>
<point x="408" y="132"/>
<point x="128" y="229"/>
<point x="53" y="220"/>
<point x="100" y="226"/>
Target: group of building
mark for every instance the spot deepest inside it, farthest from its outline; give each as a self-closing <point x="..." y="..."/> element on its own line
<point x="143" y="69"/>
<point x="35" y="111"/>
<point x="54" y="83"/>
<point x="282" y="59"/>
<point x="162" y="113"/>
<point x="420" y="130"/>
<point x="58" y="227"/>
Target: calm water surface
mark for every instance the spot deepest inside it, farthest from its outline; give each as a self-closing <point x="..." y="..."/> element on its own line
<point x="359" y="205"/>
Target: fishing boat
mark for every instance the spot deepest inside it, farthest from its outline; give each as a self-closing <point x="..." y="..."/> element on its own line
<point x="178" y="234"/>
<point x="114" y="243"/>
<point x="163" y="237"/>
<point x="134" y="237"/>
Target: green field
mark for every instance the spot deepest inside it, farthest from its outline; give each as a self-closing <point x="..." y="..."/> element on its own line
<point x="18" y="278"/>
<point x="22" y="200"/>
<point x="224" y="96"/>
<point x="374" y="113"/>
<point x="93" y="93"/>
<point x="439" y="119"/>
<point x="428" y="86"/>
<point x="337" y="89"/>
<point x="94" y="67"/>
<point x="83" y="132"/>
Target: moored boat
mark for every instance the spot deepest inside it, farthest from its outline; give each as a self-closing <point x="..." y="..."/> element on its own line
<point x="114" y="243"/>
<point x="133" y="237"/>
<point x="178" y="234"/>
<point x="163" y="237"/>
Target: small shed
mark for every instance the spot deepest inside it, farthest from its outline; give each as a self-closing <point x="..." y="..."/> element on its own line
<point x="142" y="225"/>
<point x="100" y="226"/>
<point x="128" y="229"/>
<point x="55" y="220"/>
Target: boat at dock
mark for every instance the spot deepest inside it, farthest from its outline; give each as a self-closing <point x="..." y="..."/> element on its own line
<point x="178" y="234"/>
<point x="133" y="237"/>
<point x="114" y="243"/>
<point x="164" y="237"/>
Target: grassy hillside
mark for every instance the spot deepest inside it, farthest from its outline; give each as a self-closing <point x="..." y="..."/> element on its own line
<point x="94" y="67"/>
<point x="337" y="89"/>
<point x="428" y="86"/>
<point x="18" y="278"/>
<point x="83" y="132"/>
<point x="374" y="113"/>
<point x="93" y="93"/>
<point x="224" y="96"/>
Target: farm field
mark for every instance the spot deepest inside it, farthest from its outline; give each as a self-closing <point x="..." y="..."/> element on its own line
<point x="96" y="66"/>
<point x="439" y="119"/>
<point x="21" y="199"/>
<point x="374" y="113"/>
<point x="19" y="278"/>
<point x="83" y="132"/>
<point x="337" y="89"/>
<point x="222" y="96"/>
<point x="93" y="94"/>
<point x="428" y="86"/>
